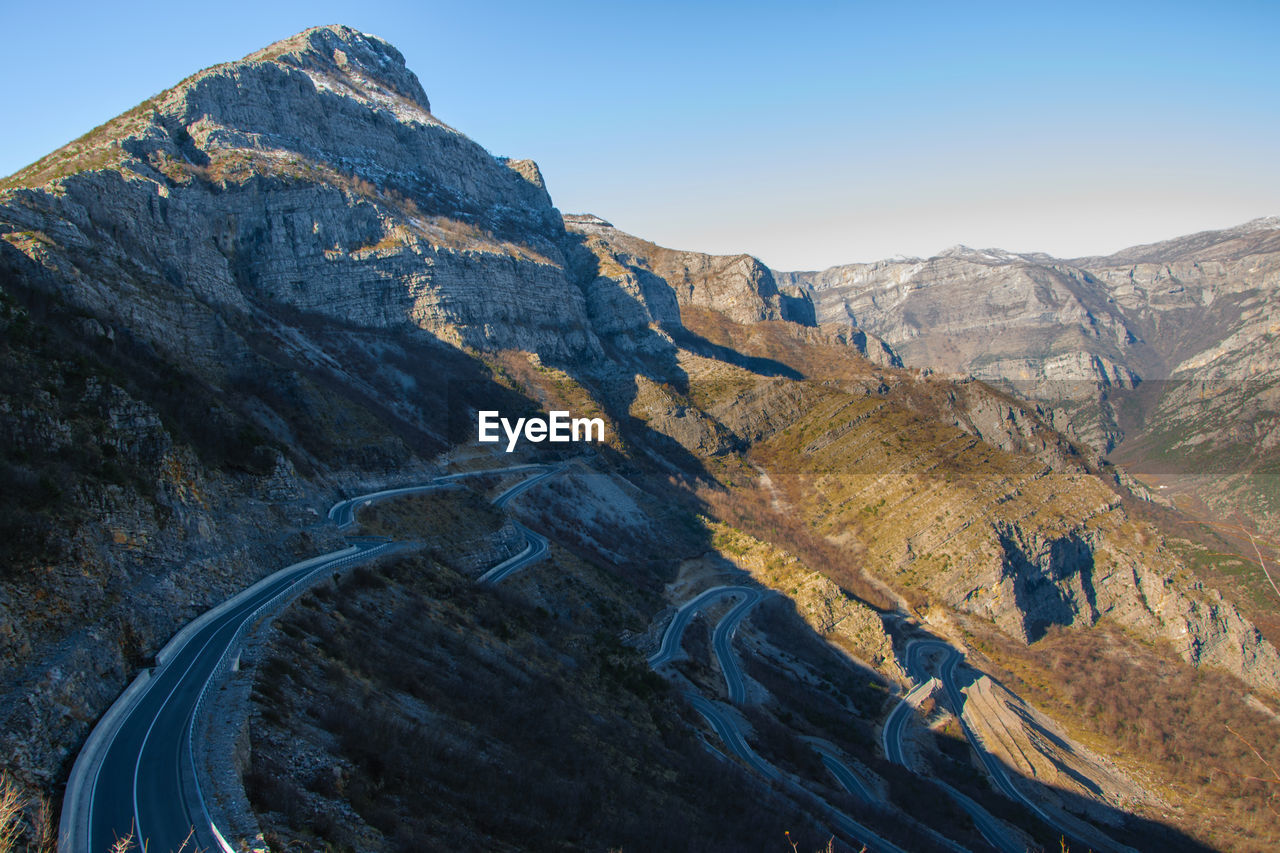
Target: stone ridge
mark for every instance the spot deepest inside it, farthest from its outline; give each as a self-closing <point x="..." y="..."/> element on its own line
<point x="1256" y="235"/>
<point x="310" y="174"/>
<point x="1141" y="354"/>
<point x="738" y="286"/>
<point x="346" y="99"/>
<point x="339" y="50"/>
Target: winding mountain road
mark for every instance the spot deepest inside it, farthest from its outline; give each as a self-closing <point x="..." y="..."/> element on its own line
<point x="135" y="775"/>
<point x="732" y="736"/>
<point x="669" y="648"/>
<point x="722" y="642"/>
<point x="955" y="698"/>
<point x="343" y="512"/>
<point x="993" y="830"/>
<point x="848" y="780"/>
<point x="893" y="736"/>
<point x="895" y="724"/>
<point x="726" y="726"/>
<point x="535" y="549"/>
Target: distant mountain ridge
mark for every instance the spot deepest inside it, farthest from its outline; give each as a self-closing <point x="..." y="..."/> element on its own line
<point x="1085" y="333"/>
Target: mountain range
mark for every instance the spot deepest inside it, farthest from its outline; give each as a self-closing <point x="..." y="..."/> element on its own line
<point x="284" y="282"/>
<point x="1163" y="354"/>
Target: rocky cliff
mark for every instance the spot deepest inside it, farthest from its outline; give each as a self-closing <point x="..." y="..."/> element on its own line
<point x="1194" y="319"/>
<point x="311" y="174"/>
<point x="738" y="286"/>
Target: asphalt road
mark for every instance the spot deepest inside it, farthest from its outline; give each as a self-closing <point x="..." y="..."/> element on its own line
<point x="846" y="777"/>
<point x="895" y="724"/>
<point x="140" y="771"/>
<point x="729" y="732"/>
<point x="343" y="512"/>
<point x="524" y="485"/>
<point x="535" y="549"/>
<point x="722" y="642"/>
<point x="947" y="675"/>
<point x="135" y="775"/>
<point x="996" y="833"/>
<point x="726" y="726"/>
<point x="669" y="648"/>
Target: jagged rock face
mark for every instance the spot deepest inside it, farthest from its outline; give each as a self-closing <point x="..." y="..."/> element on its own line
<point x="985" y="314"/>
<point x="829" y="610"/>
<point x="1004" y="537"/>
<point x="1143" y="352"/>
<point x="1087" y="573"/>
<point x="310" y="174"/>
<point x="868" y="345"/>
<point x="677" y="419"/>
<point x="1203" y="302"/>
<point x="661" y="281"/>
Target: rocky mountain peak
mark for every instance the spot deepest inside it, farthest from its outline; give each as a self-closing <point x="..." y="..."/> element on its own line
<point x="526" y="169"/>
<point x="330" y="94"/>
<point x="343" y="53"/>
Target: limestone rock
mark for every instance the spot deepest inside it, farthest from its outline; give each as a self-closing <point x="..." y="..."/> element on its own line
<point x="663" y="280"/>
<point x="1163" y="353"/>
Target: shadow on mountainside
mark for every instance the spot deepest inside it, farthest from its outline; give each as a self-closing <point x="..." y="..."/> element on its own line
<point x="1087" y="820"/>
<point x="756" y="364"/>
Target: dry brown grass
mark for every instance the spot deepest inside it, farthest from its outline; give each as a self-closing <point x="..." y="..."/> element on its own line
<point x="25" y="818"/>
<point x="11" y="805"/>
<point x="752" y="511"/>
<point x="1188" y="734"/>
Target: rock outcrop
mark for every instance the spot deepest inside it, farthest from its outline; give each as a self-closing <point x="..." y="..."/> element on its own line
<point x="311" y="174"/>
<point x="737" y="286"/>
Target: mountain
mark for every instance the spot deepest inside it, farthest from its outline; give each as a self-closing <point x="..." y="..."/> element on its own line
<point x="1160" y="354"/>
<point x="285" y="282"/>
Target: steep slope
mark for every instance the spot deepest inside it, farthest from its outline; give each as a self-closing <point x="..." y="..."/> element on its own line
<point x="280" y="280"/>
<point x="311" y="175"/>
<point x="738" y="286"/>
<point x="877" y="479"/>
<point x="960" y="493"/>
<point x="631" y="284"/>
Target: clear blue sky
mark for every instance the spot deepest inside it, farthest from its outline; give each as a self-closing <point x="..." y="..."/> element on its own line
<point x="807" y="134"/>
